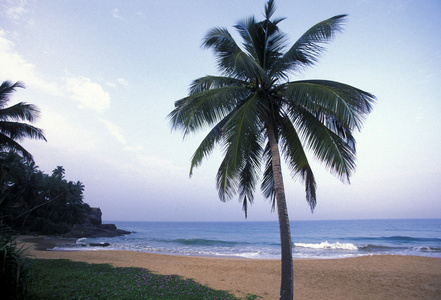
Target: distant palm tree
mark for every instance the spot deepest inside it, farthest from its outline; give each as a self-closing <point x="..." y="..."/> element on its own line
<point x="12" y="130"/>
<point x="58" y="172"/>
<point x="256" y="112"/>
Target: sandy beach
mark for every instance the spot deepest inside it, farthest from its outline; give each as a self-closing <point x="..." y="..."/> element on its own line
<point x="367" y="277"/>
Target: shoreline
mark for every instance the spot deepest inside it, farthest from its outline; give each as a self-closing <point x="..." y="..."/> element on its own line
<point x="43" y="242"/>
<point x="364" y="277"/>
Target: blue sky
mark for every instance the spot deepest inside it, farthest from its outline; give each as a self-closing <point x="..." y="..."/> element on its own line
<point x="105" y="74"/>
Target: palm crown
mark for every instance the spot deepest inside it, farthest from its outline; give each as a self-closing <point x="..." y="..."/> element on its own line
<point x="12" y="131"/>
<point x="254" y="99"/>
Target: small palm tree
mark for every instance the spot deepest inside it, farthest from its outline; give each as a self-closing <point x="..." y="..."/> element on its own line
<point x="12" y="130"/>
<point x="256" y="113"/>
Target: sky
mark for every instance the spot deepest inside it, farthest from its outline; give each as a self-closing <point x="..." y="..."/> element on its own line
<point x="105" y="75"/>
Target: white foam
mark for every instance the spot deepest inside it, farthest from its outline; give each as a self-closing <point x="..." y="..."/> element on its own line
<point x="326" y="245"/>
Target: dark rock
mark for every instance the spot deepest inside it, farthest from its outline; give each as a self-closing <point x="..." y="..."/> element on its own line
<point x="95" y="216"/>
<point x="99" y="244"/>
<point x="93" y="227"/>
<point x="108" y="226"/>
<point x="94" y="231"/>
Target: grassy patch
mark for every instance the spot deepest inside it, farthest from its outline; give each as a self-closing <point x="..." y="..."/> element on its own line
<point x="65" y="279"/>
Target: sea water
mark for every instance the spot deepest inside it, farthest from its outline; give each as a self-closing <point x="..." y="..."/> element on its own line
<point x="311" y="239"/>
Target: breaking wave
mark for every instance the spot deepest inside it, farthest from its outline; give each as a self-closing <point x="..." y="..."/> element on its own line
<point x="327" y="245"/>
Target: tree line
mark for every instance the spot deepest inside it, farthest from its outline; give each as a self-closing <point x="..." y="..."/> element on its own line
<point x="33" y="201"/>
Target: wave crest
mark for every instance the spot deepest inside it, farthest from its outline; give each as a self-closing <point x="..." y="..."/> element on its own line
<point x="327" y="245"/>
<point x="204" y="242"/>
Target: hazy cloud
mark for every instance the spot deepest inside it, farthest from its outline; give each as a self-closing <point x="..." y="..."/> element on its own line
<point x="88" y="94"/>
<point x="65" y="134"/>
<point x="114" y="130"/>
<point x="116" y="15"/>
<point x="122" y="81"/>
<point x="118" y="81"/>
<point x="14" y="9"/>
<point x="134" y="149"/>
<point x="16" y="68"/>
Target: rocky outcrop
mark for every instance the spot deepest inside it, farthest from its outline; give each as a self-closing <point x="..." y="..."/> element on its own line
<point x="99" y="244"/>
<point x="94" y="231"/>
<point x="93" y="227"/>
<point x="94" y="216"/>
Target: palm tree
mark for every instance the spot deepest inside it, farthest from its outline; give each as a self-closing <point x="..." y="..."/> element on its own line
<point x="11" y="130"/>
<point x="256" y="114"/>
<point x="58" y="172"/>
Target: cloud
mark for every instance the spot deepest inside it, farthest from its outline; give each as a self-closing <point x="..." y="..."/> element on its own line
<point x="115" y="130"/>
<point x="116" y="15"/>
<point x="122" y="81"/>
<point x="65" y="134"/>
<point x="15" y="9"/>
<point x="88" y="94"/>
<point x="134" y="149"/>
<point x="16" y="68"/>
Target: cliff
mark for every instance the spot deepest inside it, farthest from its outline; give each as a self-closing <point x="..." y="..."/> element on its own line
<point x="93" y="227"/>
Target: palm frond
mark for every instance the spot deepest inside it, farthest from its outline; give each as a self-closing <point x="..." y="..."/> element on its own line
<point x="8" y="144"/>
<point x="349" y="105"/>
<point x="224" y="47"/>
<point x="233" y="178"/>
<point x="242" y="134"/>
<point x="205" y="108"/>
<point x="20" y="111"/>
<point x="267" y="185"/>
<point x="251" y="169"/>
<point x="307" y="49"/>
<point x="12" y="131"/>
<point x="19" y="131"/>
<point x="212" y="82"/>
<point x="7" y="88"/>
<point x="232" y="61"/>
<point x="332" y="150"/>
<point x="333" y="124"/>
<point x="242" y="128"/>
<point x="207" y="145"/>
<point x="247" y="30"/>
<point x="226" y="179"/>
<point x="270" y="9"/>
<point x="297" y="160"/>
<point x="263" y="41"/>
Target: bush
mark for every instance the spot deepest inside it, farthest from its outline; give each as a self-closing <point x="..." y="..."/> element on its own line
<point x="14" y="265"/>
<point x="47" y="227"/>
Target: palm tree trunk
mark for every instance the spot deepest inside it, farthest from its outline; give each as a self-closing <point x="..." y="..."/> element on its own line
<point x="287" y="281"/>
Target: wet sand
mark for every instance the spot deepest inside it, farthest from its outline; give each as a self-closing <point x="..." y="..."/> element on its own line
<point x="367" y="277"/>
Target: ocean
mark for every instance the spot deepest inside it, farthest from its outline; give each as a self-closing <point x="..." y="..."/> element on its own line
<point x="260" y="240"/>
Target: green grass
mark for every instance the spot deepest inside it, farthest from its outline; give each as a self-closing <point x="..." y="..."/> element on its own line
<point x="65" y="279"/>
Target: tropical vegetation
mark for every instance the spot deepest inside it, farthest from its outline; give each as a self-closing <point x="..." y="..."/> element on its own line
<point x="33" y="201"/>
<point x="14" y="265"/>
<point x="258" y="114"/>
